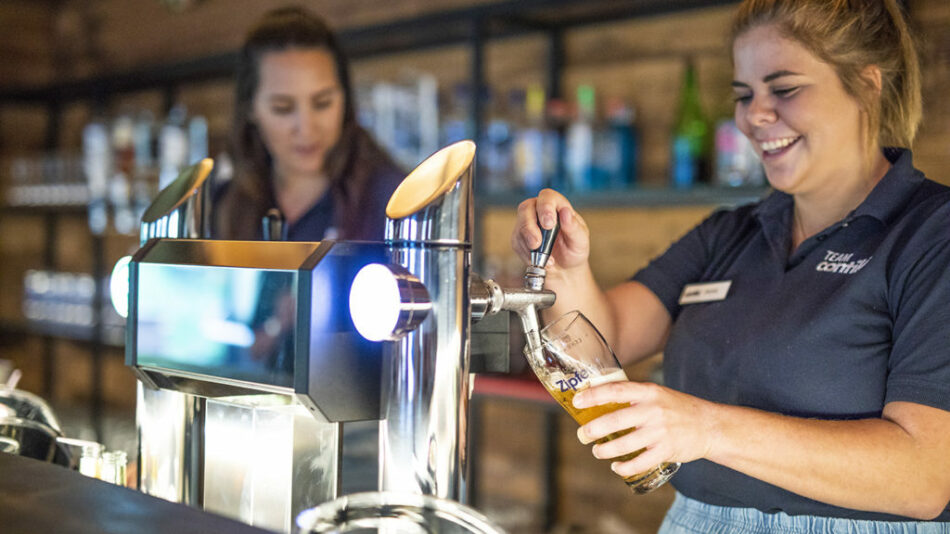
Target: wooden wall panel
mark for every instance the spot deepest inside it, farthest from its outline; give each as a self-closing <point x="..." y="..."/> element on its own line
<point x="932" y="149"/>
<point x="142" y="33"/>
<point x="22" y="130"/>
<point x="25" y="42"/>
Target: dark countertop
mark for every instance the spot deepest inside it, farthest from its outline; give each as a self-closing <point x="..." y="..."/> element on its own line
<point x="37" y="497"/>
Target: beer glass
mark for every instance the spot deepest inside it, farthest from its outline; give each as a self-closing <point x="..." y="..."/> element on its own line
<point x="573" y="357"/>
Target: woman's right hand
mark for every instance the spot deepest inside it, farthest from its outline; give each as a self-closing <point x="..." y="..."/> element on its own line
<point x="572" y="247"/>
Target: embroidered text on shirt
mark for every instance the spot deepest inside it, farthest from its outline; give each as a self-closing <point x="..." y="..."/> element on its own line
<point x="841" y="263"/>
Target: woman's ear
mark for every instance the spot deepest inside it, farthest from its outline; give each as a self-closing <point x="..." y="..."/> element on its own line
<point x="873" y="77"/>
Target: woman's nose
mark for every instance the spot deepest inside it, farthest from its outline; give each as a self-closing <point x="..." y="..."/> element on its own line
<point x="306" y="122"/>
<point x="761" y="111"/>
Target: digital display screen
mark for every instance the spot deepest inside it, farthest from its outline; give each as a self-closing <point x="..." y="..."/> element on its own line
<point x="274" y="314"/>
<point x="229" y="322"/>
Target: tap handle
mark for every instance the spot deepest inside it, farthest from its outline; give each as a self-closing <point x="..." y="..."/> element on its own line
<point x="273" y="225"/>
<point x="540" y="255"/>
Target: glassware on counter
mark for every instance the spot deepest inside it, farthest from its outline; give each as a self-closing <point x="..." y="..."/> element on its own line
<point x="90" y="460"/>
<point x="113" y="467"/>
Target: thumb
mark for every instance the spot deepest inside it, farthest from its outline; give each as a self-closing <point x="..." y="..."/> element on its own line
<point x="573" y="228"/>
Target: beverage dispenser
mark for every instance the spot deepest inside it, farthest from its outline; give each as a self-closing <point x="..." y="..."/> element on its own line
<point x="251" y="355"/>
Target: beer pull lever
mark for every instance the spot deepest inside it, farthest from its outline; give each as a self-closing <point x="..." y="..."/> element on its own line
<point x="489" y="298"/>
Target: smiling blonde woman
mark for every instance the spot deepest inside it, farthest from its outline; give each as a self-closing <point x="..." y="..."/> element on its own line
<point x="813" y="395"/>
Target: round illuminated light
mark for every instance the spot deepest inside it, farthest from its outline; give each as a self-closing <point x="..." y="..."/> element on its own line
<point x="375" y="302"/>
<point x="387" y="302"/>
<point x="119" y="286"/>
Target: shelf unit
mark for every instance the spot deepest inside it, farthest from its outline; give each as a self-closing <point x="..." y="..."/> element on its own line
<point x="92" y="337"/>
<point x="472" y="26"/>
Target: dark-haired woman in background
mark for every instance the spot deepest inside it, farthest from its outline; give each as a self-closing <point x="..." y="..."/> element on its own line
<point x="298" y="147"/>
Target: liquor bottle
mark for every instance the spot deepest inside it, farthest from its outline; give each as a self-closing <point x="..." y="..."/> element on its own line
<point x="456" y="116"/>
<point x="556" y="144"/>
<point x="579" y="162"/>
<point x="123" y="157"/>
<point x="144" y="178"/>
<point x="496" y="146"/>
<point x="529" y="154"/>
<point x="737" y="164"/>
<point x="172" y="146"/>
<point x="197" y="139"/>
<point x="97" y="162"/>
<point x="618" y="147"/>
<point x="691" y="137"/>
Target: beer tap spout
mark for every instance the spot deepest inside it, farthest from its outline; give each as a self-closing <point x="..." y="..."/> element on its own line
<point x="489" y="298"/>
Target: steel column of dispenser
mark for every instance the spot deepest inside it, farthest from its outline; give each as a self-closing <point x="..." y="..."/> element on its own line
<point x="425" y="390"/>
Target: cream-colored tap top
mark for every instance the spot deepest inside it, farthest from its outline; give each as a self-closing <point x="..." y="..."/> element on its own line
<point x="431" y="179"/>
<point x="177" y="192"/>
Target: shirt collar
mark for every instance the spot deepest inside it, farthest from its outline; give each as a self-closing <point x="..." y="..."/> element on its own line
<point x="883" y="202"/>
<point x="891" y="194"/>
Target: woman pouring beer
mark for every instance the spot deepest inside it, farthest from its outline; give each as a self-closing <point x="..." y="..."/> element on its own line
<point x="809" y="389"/>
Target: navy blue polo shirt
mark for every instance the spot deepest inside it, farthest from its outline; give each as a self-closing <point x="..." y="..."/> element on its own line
<point x="317" y="223"/>
<point x="857" y="317"/>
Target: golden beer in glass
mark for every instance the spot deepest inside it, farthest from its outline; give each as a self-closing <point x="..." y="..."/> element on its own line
<point x="573" y="357"/>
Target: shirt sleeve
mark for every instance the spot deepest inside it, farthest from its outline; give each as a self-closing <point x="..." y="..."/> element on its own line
<point x="683" y="263"/>
<point x="919" y="366"/>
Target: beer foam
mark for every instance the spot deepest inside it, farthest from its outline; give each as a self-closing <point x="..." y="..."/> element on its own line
<point x="614" y="376"/>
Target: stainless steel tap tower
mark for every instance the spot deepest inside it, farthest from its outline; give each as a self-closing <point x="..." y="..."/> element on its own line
<point x="290" y="407"/>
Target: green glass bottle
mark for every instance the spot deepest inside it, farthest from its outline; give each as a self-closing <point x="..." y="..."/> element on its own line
<point x="689" y="159"/>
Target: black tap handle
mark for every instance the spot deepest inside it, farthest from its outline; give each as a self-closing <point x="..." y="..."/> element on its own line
<point x="540" y="255"/>
<point x="273" y="224"/>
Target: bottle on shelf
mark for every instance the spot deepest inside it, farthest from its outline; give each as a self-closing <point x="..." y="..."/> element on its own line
<point x="579" y="149"/>
<point x="96" y="165"/>
<point x="556" y="143"/>
<point x="197" y="139"/>
<point x="404" y="117"/>
<point x="123" y="156"/>
<point x="534" y="162"/>
<point x="690" y="148"/>
<point x="496" y="147"/>
<point x="455" y="123"/>
<point x="143" y="178"/>
<point x="617" y="150"/>
<point x="172" y="146"/>
<point x="737" y="164"/>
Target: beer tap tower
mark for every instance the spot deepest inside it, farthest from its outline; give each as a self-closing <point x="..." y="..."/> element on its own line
<point x="256" y="435"/>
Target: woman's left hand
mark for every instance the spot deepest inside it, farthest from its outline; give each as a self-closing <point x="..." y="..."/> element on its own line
<point x="671" y="426"/>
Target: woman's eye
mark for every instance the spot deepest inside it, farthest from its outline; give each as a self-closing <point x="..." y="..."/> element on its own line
<point x="281" y="110"/>
<point x="322" y="104"/>
<point x="785" y="92"/>
<point x="742" y="99"/>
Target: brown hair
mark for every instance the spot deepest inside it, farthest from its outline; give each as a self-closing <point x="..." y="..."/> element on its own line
<point x="350" y="165"/>
<point x="851" y="35"/>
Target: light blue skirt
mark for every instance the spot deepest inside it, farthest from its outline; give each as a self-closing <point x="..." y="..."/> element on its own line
<point x="688" y="516"/>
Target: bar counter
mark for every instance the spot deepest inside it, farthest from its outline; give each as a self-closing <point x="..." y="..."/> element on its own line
<point x="37" y="497"/>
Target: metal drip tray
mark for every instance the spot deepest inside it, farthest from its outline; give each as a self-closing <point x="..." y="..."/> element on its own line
<point x="393" y="513"/>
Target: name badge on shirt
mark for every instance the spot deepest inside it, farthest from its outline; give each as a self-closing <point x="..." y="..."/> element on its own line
<point x="704" y="292"/>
